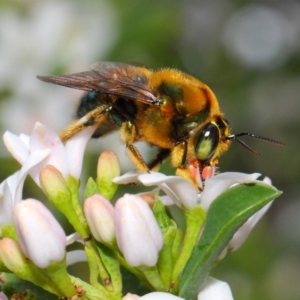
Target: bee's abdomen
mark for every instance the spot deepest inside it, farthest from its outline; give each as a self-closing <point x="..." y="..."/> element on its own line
<point x="90" y="101"/>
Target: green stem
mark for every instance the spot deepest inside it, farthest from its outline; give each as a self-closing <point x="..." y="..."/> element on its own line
<point x="194" y="222"/>
<point x="96" y="266"/>
<point x="80" y="225"/>
<point x="152" y="276"/>
<point x="110" y="261"/>
<point x="92" y="293"/>
<point x="166" y="261"/>
<point x="132" y="270"/>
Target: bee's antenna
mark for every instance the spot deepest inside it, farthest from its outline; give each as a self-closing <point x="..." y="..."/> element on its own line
<point x="235" y="137"/>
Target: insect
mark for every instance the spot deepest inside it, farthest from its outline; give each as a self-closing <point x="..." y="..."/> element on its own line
<point x="166" y="108"/>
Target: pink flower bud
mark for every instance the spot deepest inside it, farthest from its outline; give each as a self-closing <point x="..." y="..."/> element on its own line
<point x="138" y="234"/>
<point x="3" y="296"/>
<point x="108" y="168"/>
<point x="52" y="181"/>
<point x="108" y="165"/>
<point x="99" y="213"/>
<point x="41" y="237"/>
<point x="11" y="254"/>
<point x="130" y="297"/>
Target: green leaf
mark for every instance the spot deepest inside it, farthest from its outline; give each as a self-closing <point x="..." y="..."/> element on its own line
<point x="161" y="216"/>
<point x="106" y="187"/>
<point x="225" y="216"/>
<point x="90" y="188"/>
<point x="166" y="261"/>
<point x="112" y="266"/>
<point x="11" y="284"/>
<point x="75" y="213"/>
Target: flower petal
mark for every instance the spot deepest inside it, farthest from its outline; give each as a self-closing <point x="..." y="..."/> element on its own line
<point x="243" y="232"/>
<point x="160" y="296"/>
<point x="241" y="235"/>
<point x="16" y="146"/>
<point x="26" y="139"/>
<point x="76" y="256"/>
<point x="218" y="184"/>
<point x="74" y="237"/>
<point x="32" y="165"/>
<point x="214" y="289"/>
<point x="129" y="177"/>
<point x="180" y="190"/>
<point x="42" y="137"/>
<point x="6" y="203"/>
<point x="11" y="188"/>
<point x="75" y="148"/>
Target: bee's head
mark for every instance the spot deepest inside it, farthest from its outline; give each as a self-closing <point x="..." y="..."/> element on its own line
<point x="211" y="140"/>
<point x="214" y="138"/>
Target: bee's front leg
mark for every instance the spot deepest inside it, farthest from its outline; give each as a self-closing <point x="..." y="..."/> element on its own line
<point x="178" y="158"/>
<point x="129" y="136"/>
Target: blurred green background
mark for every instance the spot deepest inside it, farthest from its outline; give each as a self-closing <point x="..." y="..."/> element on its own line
<point x="246" y="51"/>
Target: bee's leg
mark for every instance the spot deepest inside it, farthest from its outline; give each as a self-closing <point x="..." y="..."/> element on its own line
<point x="129" y="136"/>
<point x="95" y="117"/>
<point x="160" y="157"/>
<point x="178" y="158"/>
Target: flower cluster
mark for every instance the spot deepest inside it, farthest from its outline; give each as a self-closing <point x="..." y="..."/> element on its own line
<point x="138" y="232"/>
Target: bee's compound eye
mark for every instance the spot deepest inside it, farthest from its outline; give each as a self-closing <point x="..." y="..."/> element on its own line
<point x="207" y="142"/>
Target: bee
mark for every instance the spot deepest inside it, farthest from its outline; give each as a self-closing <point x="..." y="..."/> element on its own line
<point x="166" y="108"/>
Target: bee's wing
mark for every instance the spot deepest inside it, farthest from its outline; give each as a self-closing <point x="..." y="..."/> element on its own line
<point x="110" y="78"/>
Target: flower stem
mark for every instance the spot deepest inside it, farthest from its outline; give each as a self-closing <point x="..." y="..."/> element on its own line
<point x="92" y="293"/>
<point x="73" y="185"/>
<point x="97" y="268"/>
<point x="194" y="221"/>
<point x="166" y="261"/>
<point x="153" y="277"/>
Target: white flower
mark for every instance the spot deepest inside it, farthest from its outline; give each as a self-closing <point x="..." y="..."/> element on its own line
<point x="12" y="187"/>
<point x="137" y="232"/>
<point x="218" y="184"/>
<point x="75" y="256"/>
<point x="67" y="159"/>
<point x="214" y="289"/>
<point x="160" y="296"/>
<point x="41" y="237"/>
<point x="179" y="190"/>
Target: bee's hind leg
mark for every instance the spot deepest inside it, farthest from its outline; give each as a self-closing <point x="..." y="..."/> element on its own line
<point x="95" y="117"/>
